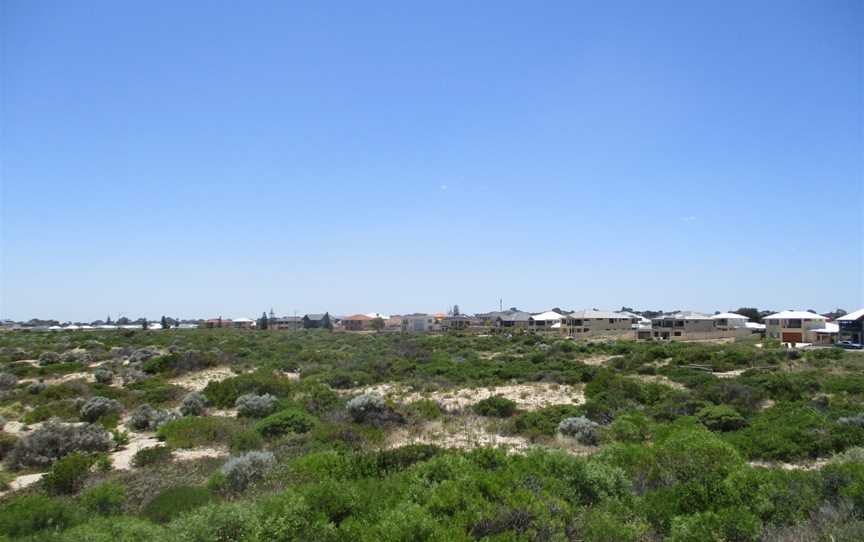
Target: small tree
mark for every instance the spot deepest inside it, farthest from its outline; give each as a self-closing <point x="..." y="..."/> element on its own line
<point x="164" y="322"/>
<point x="144" y="324"/>
<point x="264" y="322"/>
<point x="377" y="323"/>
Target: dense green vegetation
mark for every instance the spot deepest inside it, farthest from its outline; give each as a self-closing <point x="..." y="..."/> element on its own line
<point x="671" y="442"/>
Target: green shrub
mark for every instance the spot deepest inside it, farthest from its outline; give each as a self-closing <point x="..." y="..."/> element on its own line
<point x="545" y="421"/>
<point x="33" y="514"/>
<point x="174" y="501"/>
<point x="721" y="418"/>
<point x="245" y="440"/>
<point x="151" y="456"/>
<point x="214" y="522"/>
<point x="106" y="499"/>
<point x="737" y="525"/>
<point x="224" y="393"/>
<point x="67" y="474"/>
<point x="115" y="529"/>
<point x="495" y="406"/>
<point x="285" y="421"/>
<point x="425" y="409"/>
<point x="193" y="431"/>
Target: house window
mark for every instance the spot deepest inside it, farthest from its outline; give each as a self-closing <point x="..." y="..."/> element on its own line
<point x="677" y="333"/>
<point x="611" y="320"/>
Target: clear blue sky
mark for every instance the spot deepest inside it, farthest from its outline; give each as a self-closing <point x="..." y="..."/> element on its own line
<point x="202" y="158"/>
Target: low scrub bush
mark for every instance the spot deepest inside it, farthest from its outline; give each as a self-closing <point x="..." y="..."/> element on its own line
<point x="68" y="473"/>
<point x="721" y="418"/>
<point x="194" y="404"/>
<point x="174" y="501"/>
<point x="545" y="421"/>
<point x="371" y="408"/>
<point x="582" y="429"/>
<point x="7" y="381"/>
<point x="256" y="406"/>
<point x="242" y="471"/>
<point x="224" y="394"/>
<point x="96" y="407"/>
<point x="35" y="515"/>
<point x="55" y="440"/>
<point x="495" y="406"/>
<point x="152" y="456"/>
<point x="285" y="421"/>
<point x="194" y="431"/>
<point x="106" y="499"/>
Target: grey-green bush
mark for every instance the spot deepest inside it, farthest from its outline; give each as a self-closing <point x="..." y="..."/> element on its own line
<point x="194" y="404"/>
<point x="95" y="407"/>
<point x="55" y="440"/>
<point x="256" y="406"/>
<point x="243" y="470"/>
<point x="581" y="428"/>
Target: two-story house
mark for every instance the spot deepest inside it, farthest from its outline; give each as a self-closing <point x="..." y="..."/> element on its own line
<point x="794" y="326"/>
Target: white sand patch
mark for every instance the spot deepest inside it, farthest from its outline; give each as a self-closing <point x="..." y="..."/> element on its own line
<point x="122" y="459"/>
<point x="530" y="396"/>
<point x="290" y="375"/>
<point x="198" y="453"/>
<point x="19" y="428"/>
<point x="660" y="379"/>
<point x="51" y="381"/>
<point x="598" y="360"/>
<point x="465" y="433"/>
<point x="198" y="381"/>
<point x="25" y="480"/>
<point x="730" y="374"/>
<point x="804" y="465"/>
<point x="224" y="412"/>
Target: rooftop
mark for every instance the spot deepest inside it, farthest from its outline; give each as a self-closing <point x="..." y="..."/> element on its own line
<point x="852" y="316"/>
<point x="795" y="315"/>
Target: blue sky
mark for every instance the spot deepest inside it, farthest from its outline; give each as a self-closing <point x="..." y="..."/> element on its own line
<point x="205" y="158"/>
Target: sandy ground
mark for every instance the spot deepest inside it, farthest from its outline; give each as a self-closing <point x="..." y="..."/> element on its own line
<point x="660" y="379"/>
<point x="198" y="381"/>
<point x="730" y="374"/>
<point x="531" y="396"/>
<point x="808" y="465"/>
<point x="22" y="481"/>
<point x="465" y="433"/>
<point x="597" y="360"/>
<point x="61" y="379"/>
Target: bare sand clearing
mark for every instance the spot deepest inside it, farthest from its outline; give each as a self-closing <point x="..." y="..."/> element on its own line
<point x="660" y="379"/>
<point x="61" y="379"/>
<point x="465" y="433"/>
<point x="531" y="396"/>
<point x="197" y="381"/>
<point x="730" y="374"/>
<point x="597" y="360"/>
<point x="23" y="481"/>
<point x="804" y="465"/>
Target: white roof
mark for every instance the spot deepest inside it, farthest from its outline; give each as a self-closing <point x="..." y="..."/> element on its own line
<point x="588" y="314"/>
<point x="377" y="315"/>
<point x="795" y="315"/>
<point x="754" y="325"/>
<point x="729" y="316"/>
<point x="547" y="316"/>
<point x="852" y="316"/>
<point x="243" y="320"/>
<point x="683" y="315"/>
<point x="829" y="328"/>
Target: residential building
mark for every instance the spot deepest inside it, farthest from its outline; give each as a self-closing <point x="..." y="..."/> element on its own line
<point x="729" y="320"/>
<point x="419" y="323"/>
<point x="549" y="321"/>
<point x="683" y="325"/>
<point x="212" y="323"/>
<point x="511" y="318"/>
<point x="455" y="322"/>
<point x="318" y="321"/>
<point x="595" y="323"/>
<point x="826" y="335"/>
<point x="794" y="326"/>
<point x="285" y="323"/>
<point x="852" y="327"/>
<point x="357" y="322"/>
<point x="243" y="323"/>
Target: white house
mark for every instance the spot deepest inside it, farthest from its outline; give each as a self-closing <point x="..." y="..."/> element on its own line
<point x="729" y="320"/>
<point x="794" y="326"/>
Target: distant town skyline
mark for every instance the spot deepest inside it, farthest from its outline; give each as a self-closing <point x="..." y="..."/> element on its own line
<point x="203" y="158"/>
